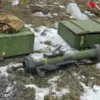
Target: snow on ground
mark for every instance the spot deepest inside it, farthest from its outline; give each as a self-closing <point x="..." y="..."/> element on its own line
<point x="15" y="2"/>
<point x="89" y="13"/>
<point x="90" y="93"/>
<point x="9" y="90"/>
<point x="53" y="84"/>
<point x="53" y="79"/>
<point x="61" y="6"/>
<point x="44" y="34"/>
<point x="42" y="92"/>
<point x="40" y="14"/>
<point x="3" y="69"/>
<point x="98" y="65"/>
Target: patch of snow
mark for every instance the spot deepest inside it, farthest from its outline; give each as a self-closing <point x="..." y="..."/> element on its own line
<point x="15" y="64"/>
<point x="3" y="69"/>
<point x="98" y="65"/>
<point x="92" y="78"/>
<point x="41" y="4"/>
<point x="15" y="82"/>
<point x="37" y="56"/>
<point x="90" y="93"/>
<point x="83" y="76"/>
<point x="50" y="35"/>
<point x="75" y="74"/>
<point x="53" y="85"/>
<point x="89" y="13"/>
<point x="55" y="14"/>
<point x="71" y="17"/>
<point x="9" y="90"/>
<point x="43" y="34"/>
<point x="55" y="78"/>
<point x="60" y="93"/>
<point x="31" y="77"/>
<point x="15" y="2"/>
<point x="52" y="82"/>
<point x="28" y="25"/>
<point x="61" y="6"/>
<point x="40" y="14"/>
<point x="40" y="92"/>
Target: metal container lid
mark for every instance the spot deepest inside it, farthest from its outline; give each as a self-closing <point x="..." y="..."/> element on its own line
<point x="83" y="27"/>
<point x="22" y="32"/>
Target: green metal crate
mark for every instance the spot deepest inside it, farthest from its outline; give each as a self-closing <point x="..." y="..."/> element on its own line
<point x="80" y="34"/>
<point x="12" y="44"/>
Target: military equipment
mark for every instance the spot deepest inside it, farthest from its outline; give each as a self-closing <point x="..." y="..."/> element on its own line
<point x="80" y="34"/>
<point x="19" y="43"/>
<point x="14" y="38"/>
<point x="77" y="33"/>
<point x="49" y="63"/>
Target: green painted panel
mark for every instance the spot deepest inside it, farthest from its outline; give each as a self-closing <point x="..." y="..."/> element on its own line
<point x="78" y="34"/>
<point x="89" y="26"/>
<point x="98" y="20"/>
<point x="16" y="44"/>
<point x="92" y="39"/>
<point x="68" y="36"/>
<point x="72" y="27"/>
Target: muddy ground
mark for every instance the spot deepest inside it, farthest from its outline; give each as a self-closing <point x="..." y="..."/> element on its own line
<point x="71" y="77"/>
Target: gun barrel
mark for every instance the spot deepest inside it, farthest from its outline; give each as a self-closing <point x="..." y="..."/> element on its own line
<point x="79" y="55"/>
<point x="86" y="54"/>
